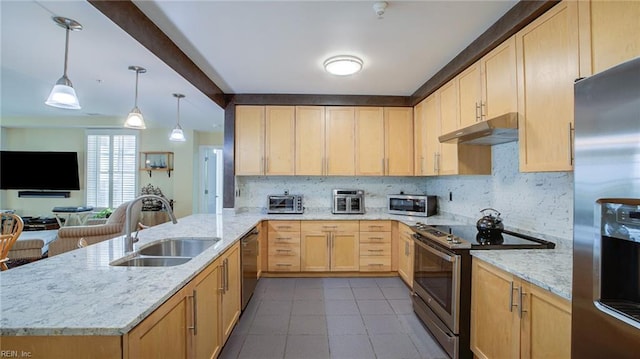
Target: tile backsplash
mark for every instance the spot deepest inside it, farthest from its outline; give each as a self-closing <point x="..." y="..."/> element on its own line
<point x="539" y="202"/>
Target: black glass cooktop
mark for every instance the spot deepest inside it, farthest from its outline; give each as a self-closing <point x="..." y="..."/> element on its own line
<point x="506" y="240"/>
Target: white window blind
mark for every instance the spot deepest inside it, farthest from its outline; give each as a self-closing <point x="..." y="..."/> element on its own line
<point x="111" y="167"/>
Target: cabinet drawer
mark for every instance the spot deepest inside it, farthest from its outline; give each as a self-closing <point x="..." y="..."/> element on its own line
<point x="330" y="226"/>
<point x="375" y="237"/>
<point x="375" y="226"/>
<point x="377" y="250"/>
<point x="284" y="263"/>
<point x="375" y="264"/>
<point x="284" y="226"/>
<point x="287" y="250"/>
<point x="283" y="238"/>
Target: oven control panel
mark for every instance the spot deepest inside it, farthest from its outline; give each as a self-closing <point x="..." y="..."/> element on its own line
<point x="446" y="240"/>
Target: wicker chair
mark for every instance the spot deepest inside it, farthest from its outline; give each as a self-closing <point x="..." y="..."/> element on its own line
<point x="10" y="230"/>
<point x="69" y="237"/>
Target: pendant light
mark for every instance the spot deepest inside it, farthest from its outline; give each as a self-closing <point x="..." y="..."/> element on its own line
<point x="135" y="119"/>
<point x="177" y="134"/>
<point x="63" y="95"/>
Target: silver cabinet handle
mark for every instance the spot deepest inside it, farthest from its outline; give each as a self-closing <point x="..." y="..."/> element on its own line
<point x="521" y="294"/>
<point x="262" y="165"/>
<point x="571" y="131"/>
<point x="483" y="111"/>
<point x="421" y="165"/>
<point x="266" y="165"/>
<point x="193" y="312"/>
<point x="283" y="265"/>
<point x="226" y="273"/>
<point x="477" y="112"/>
<point x="436" y="162"/>
<point x="511" y="305"/>
<point x="388" y="169"/>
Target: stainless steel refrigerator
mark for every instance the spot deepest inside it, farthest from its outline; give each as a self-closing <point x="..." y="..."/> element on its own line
<point x="606" y="238"/>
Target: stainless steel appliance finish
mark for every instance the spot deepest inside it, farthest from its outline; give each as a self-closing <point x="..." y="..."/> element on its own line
<point x="412" y="204"/>
<point x="606" y="247"/>
<point x="249" y="257"/>
<point x="442" y="278"/>
<point x="493" y="131"/>
<point x="348" y="201"/>
<point x="287" y="204"/>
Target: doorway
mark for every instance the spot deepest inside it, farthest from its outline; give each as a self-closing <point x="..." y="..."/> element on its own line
<point x="210" y="188"/>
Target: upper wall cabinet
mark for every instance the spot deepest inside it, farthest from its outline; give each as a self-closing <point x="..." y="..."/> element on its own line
<point x="340" y="141"/>
<point x="547" y="61"/>
<point x="398" y="140"/>
<point x="499" y="81"/>
<point x="609" y="34"/>
<point x="370" y="139"/>
<point x="249" y="141"/>
<point x="265" y="140"/>
<point x="310" y="139"/>
<point x="427" y="129"/>
<point x="470" y="96"/>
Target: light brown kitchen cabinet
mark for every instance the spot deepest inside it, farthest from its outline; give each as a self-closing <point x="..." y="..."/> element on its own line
<point x="512" y="318"/>
<point x="284" y="246"/>
<point x="329" y="246"/>
<point x="310" y="140"/>
<point x="427" y="130"/>
<point x="197" y="320"/>
<point x="279" y="151"/>
<point x="470" y="95"/>
<point x="262" y="247"/>
<point x="405" y="253"/>
<point x="499" y="81"/>
<point x="249" y="141"/>
<point x="340" y="141"/>
<point x="370" y="141"/>
<point x="608" y="34"/>
<point x="375" y="246"/>
<point x="547" y="62"/>
<point x="398" y="141"/>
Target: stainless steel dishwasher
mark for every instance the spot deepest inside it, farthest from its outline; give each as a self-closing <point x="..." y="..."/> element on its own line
<point x="249" y="252"/>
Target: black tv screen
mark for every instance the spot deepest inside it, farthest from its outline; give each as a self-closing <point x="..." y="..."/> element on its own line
<point x="39" y="170"/>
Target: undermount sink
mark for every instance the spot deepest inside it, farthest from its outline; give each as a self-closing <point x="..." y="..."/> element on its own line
<point x="178" y="247"/>
<point x="152" y="262"/>
<point x="167" y="252"/>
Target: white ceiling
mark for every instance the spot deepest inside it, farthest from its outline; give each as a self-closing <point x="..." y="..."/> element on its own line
<point x="243" y="46"/>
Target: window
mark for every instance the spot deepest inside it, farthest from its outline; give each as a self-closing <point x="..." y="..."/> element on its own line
<point x="111" y="167"/>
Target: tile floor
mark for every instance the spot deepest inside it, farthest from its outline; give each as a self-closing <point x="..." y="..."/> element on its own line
<point x="345" y="318"/>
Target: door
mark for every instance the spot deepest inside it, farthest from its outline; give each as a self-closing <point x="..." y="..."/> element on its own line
<point x="249" y="149"/>
<point x="210" y="189"/>
<point x="340" y="145"/>
<point x="345" y="251"/>
<point x="448" y="159"/>
<point x="370" y="138"/>
<point x="279" y="140"/>
<point x="470" y="95"/>
<point x="398" y="135"/>
<point x="432" y="131"/>
<point x="499" y="85"/>
<point x="231" y="294"/>
<point x="310" y="140"/>
<point x="206" y="300"/>
<point x="314" y="251"/>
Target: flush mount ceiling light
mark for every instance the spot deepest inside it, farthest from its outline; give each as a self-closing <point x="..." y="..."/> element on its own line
<point x="135" y="119"/>
<point x="343" y="65"/>
<point x="63" y="95"/>
<point x="177" y="134"/>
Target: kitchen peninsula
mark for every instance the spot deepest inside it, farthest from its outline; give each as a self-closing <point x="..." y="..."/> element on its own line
<point x="85" y="296"/>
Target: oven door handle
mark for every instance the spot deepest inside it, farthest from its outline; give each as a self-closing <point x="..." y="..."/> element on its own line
<point x="436" y="252"/>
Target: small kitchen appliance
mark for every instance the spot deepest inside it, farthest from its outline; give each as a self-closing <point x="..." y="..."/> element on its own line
<point x="285" y="204"/>
<point x="348" y="201"/>
<point x="489" y="225"/>
<point x="412" y="204"/>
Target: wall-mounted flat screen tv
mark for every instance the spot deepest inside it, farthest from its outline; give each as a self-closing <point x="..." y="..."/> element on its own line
<point x="39" y="170"/>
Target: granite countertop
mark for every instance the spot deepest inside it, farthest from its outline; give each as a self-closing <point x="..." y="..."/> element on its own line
<point x="79" y="293"/>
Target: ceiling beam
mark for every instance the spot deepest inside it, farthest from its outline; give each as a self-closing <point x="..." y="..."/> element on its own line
<point x="319" y="100"/>
<point x="133" y="21"/>
<point x="511" y="22"/>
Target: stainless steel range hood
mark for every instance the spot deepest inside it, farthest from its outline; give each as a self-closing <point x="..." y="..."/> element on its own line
<point x="496" y="130"/>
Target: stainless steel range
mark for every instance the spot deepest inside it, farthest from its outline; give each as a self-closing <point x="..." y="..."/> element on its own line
<point x="442" y="278"/>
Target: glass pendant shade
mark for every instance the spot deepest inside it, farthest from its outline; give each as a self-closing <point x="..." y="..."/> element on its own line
<point x="63" y="95"/>
<point x="135" y="120"/>
<point x="177" y="135"/>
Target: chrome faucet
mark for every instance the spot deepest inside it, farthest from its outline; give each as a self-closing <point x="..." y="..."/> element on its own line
<point x="128" y="240"/>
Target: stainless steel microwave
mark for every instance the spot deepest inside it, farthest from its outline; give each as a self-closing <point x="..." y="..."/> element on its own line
<point x="412" y="204"/>
<point x="288" y="203"/>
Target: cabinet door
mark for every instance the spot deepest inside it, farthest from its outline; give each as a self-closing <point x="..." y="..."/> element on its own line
<point x="405" y="254"/>
<point x="448" y="159"/>
<point x="494" y="321"/>
<point x="547" y="60"/>
<point x="249" y="150"/>
<point x="419" y="139"/>
<point x="608" y="34"/>
<point x="398" y="141"/>
<point x="470" y="95"/>
<point x="499" y="85"/>
<point x="340" y="145"/>
<point x="310" y="140"/>
<point x="370" y="134"/>
<point x="279" y="140"/>
<point x="164" y="333"/>
<point x="432" y="128"/>
<point x="345" y="251"/>
<point x="206" y="300"/>
<point x="314" y="252"/>
<point x="231" y="294"/>
<point x="546" y="325"/>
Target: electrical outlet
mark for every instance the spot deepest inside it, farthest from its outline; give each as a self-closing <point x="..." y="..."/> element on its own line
<point x="450" y="196"/>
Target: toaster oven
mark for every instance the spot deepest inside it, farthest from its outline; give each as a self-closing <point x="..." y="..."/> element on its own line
<point x="412" y="204"/>
<point x="288" y="204"/>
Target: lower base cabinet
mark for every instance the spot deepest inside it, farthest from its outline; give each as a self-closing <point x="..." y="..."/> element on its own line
<point x="405" y="253"/>
<point x="196" y="321"/>
<point x="512" y="318"/>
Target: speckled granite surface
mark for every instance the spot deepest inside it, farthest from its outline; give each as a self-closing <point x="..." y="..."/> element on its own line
<point x="79" y="293"/>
